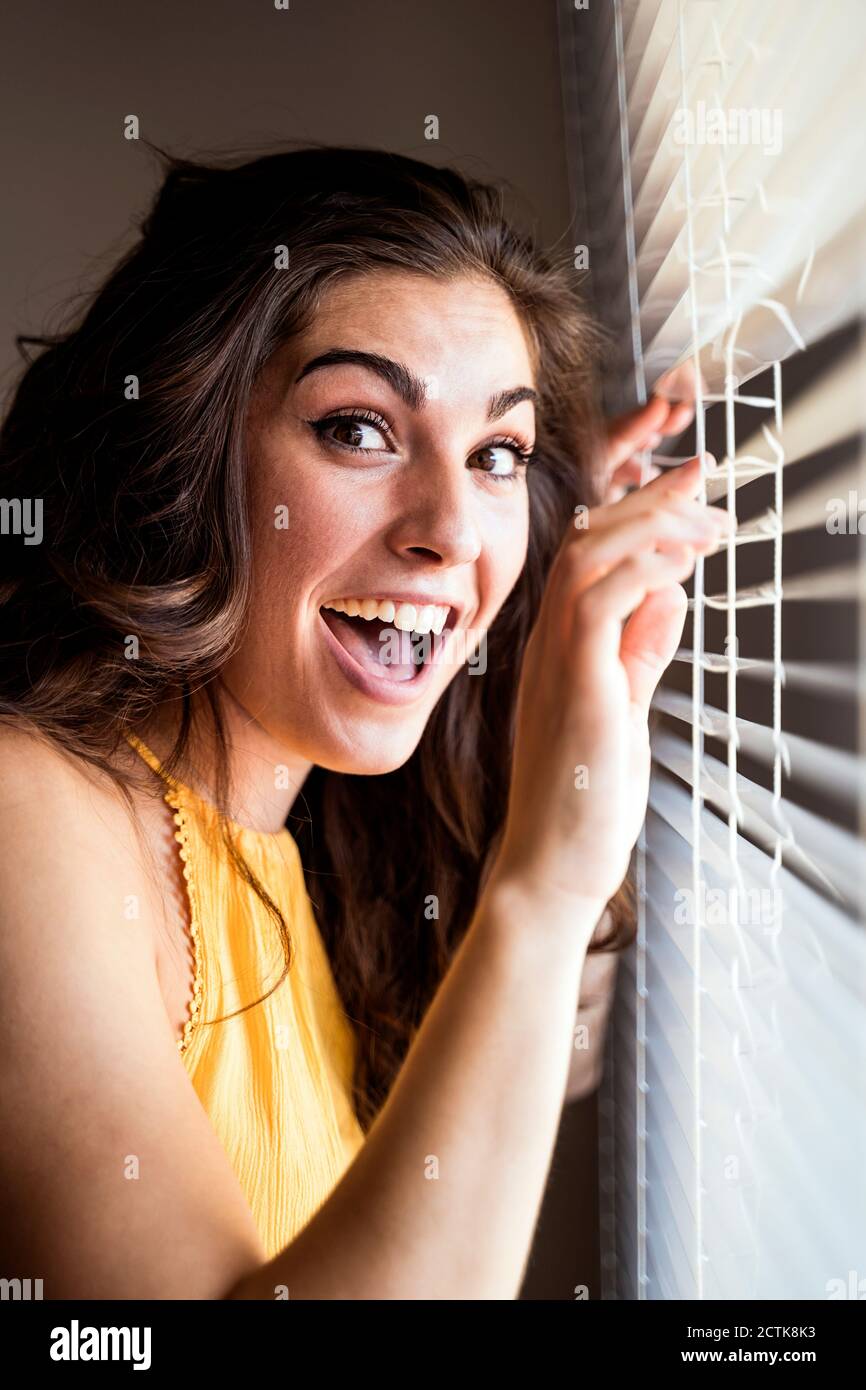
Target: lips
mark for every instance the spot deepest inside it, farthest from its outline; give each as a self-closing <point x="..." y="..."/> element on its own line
<point x="378" y="647"/>
<point x="387" y="647"/>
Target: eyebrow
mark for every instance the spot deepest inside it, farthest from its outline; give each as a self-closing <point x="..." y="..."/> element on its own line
<point x="409" y="387"/>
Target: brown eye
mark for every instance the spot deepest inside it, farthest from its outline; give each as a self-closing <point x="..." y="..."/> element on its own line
<point x="353" y="432"/>
<point x="348" y="433"/>
<point x="501" y="460"/>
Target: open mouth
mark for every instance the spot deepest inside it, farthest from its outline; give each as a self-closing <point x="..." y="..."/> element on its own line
<point x="395" y="642"/>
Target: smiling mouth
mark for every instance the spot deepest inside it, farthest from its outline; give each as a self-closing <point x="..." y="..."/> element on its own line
<point x="397" y="647"/>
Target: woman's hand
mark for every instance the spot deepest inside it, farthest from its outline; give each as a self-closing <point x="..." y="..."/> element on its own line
<point x="637" y="433"/>
<point x="608" y="624"/>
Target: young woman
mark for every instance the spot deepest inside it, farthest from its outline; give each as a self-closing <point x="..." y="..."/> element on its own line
<point x="329" y="400"/>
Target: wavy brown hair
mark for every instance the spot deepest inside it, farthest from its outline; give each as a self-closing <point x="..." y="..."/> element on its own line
<point x="129" y="427"/>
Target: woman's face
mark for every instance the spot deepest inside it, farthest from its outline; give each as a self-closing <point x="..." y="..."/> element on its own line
<point x="413" y="499"/>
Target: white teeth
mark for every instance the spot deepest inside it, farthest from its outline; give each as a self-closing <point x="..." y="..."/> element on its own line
<point x="424" y="621"/>
<point x="405" y="617"/>
<point x="429" y="617"/>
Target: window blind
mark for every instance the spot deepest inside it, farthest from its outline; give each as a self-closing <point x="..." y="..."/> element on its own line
<point x="717" y="151"/>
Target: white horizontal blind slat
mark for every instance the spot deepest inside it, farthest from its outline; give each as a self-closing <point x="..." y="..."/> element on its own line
<point x="807" y="760"/>
<point x="826" y="854"/>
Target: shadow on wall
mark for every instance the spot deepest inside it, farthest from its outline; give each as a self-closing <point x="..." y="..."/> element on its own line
<point x="565" y="1258"/>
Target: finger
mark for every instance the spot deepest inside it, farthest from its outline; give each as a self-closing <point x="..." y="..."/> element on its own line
<point x="684" y="481"/>
<point x="682" y="383"/>
<point x="633" y="473"/>
<point x="649" y="640"/>
<point x="682" y="413"/>
<point x="661" y="528"/>
<point x="645" y="427"/>
<point x="687" y="478"/>
<point x="645" y="503"/>
<point x="628" y="433"/>
<point x="601" y="607"/>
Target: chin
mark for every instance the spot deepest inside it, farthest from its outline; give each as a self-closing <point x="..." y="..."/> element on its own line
<point x="375" y="764"/>
<point x="369" y="750"/>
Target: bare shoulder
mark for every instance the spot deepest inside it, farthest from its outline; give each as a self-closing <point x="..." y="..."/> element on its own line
<point x="36" y="771"/>
<point x="69" y="847"/>
<point x="91" y="1081"/>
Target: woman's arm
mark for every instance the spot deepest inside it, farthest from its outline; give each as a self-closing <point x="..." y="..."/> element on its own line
<point x="112" y="1182"/>
<point x="442" y="1199"/>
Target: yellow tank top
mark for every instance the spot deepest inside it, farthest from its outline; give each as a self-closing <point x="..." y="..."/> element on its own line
<point x="275" y="1080"/>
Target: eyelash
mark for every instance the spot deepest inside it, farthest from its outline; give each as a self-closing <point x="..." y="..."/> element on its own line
<point x="524" y="455"/>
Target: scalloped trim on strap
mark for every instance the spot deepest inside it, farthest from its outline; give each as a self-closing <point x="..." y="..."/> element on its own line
<point x="173" y="798"/>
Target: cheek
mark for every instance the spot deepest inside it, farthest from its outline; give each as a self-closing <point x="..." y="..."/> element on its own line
<point x="506" y="545"/>
<point x="302" y="528"/>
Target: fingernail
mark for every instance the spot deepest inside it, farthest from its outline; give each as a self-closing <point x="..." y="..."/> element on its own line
<point x="709" y="461"/>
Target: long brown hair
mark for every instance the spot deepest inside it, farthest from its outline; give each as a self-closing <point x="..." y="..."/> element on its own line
<point x="129" y="427"/>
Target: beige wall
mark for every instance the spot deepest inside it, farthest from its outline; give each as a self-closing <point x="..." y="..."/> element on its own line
<point x="206" y="75"/>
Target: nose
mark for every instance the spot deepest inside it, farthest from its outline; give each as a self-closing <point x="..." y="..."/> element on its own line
<point x="437" y="517"/>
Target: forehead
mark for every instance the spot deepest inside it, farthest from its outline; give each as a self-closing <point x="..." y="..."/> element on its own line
<point x="465" y="332"/>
